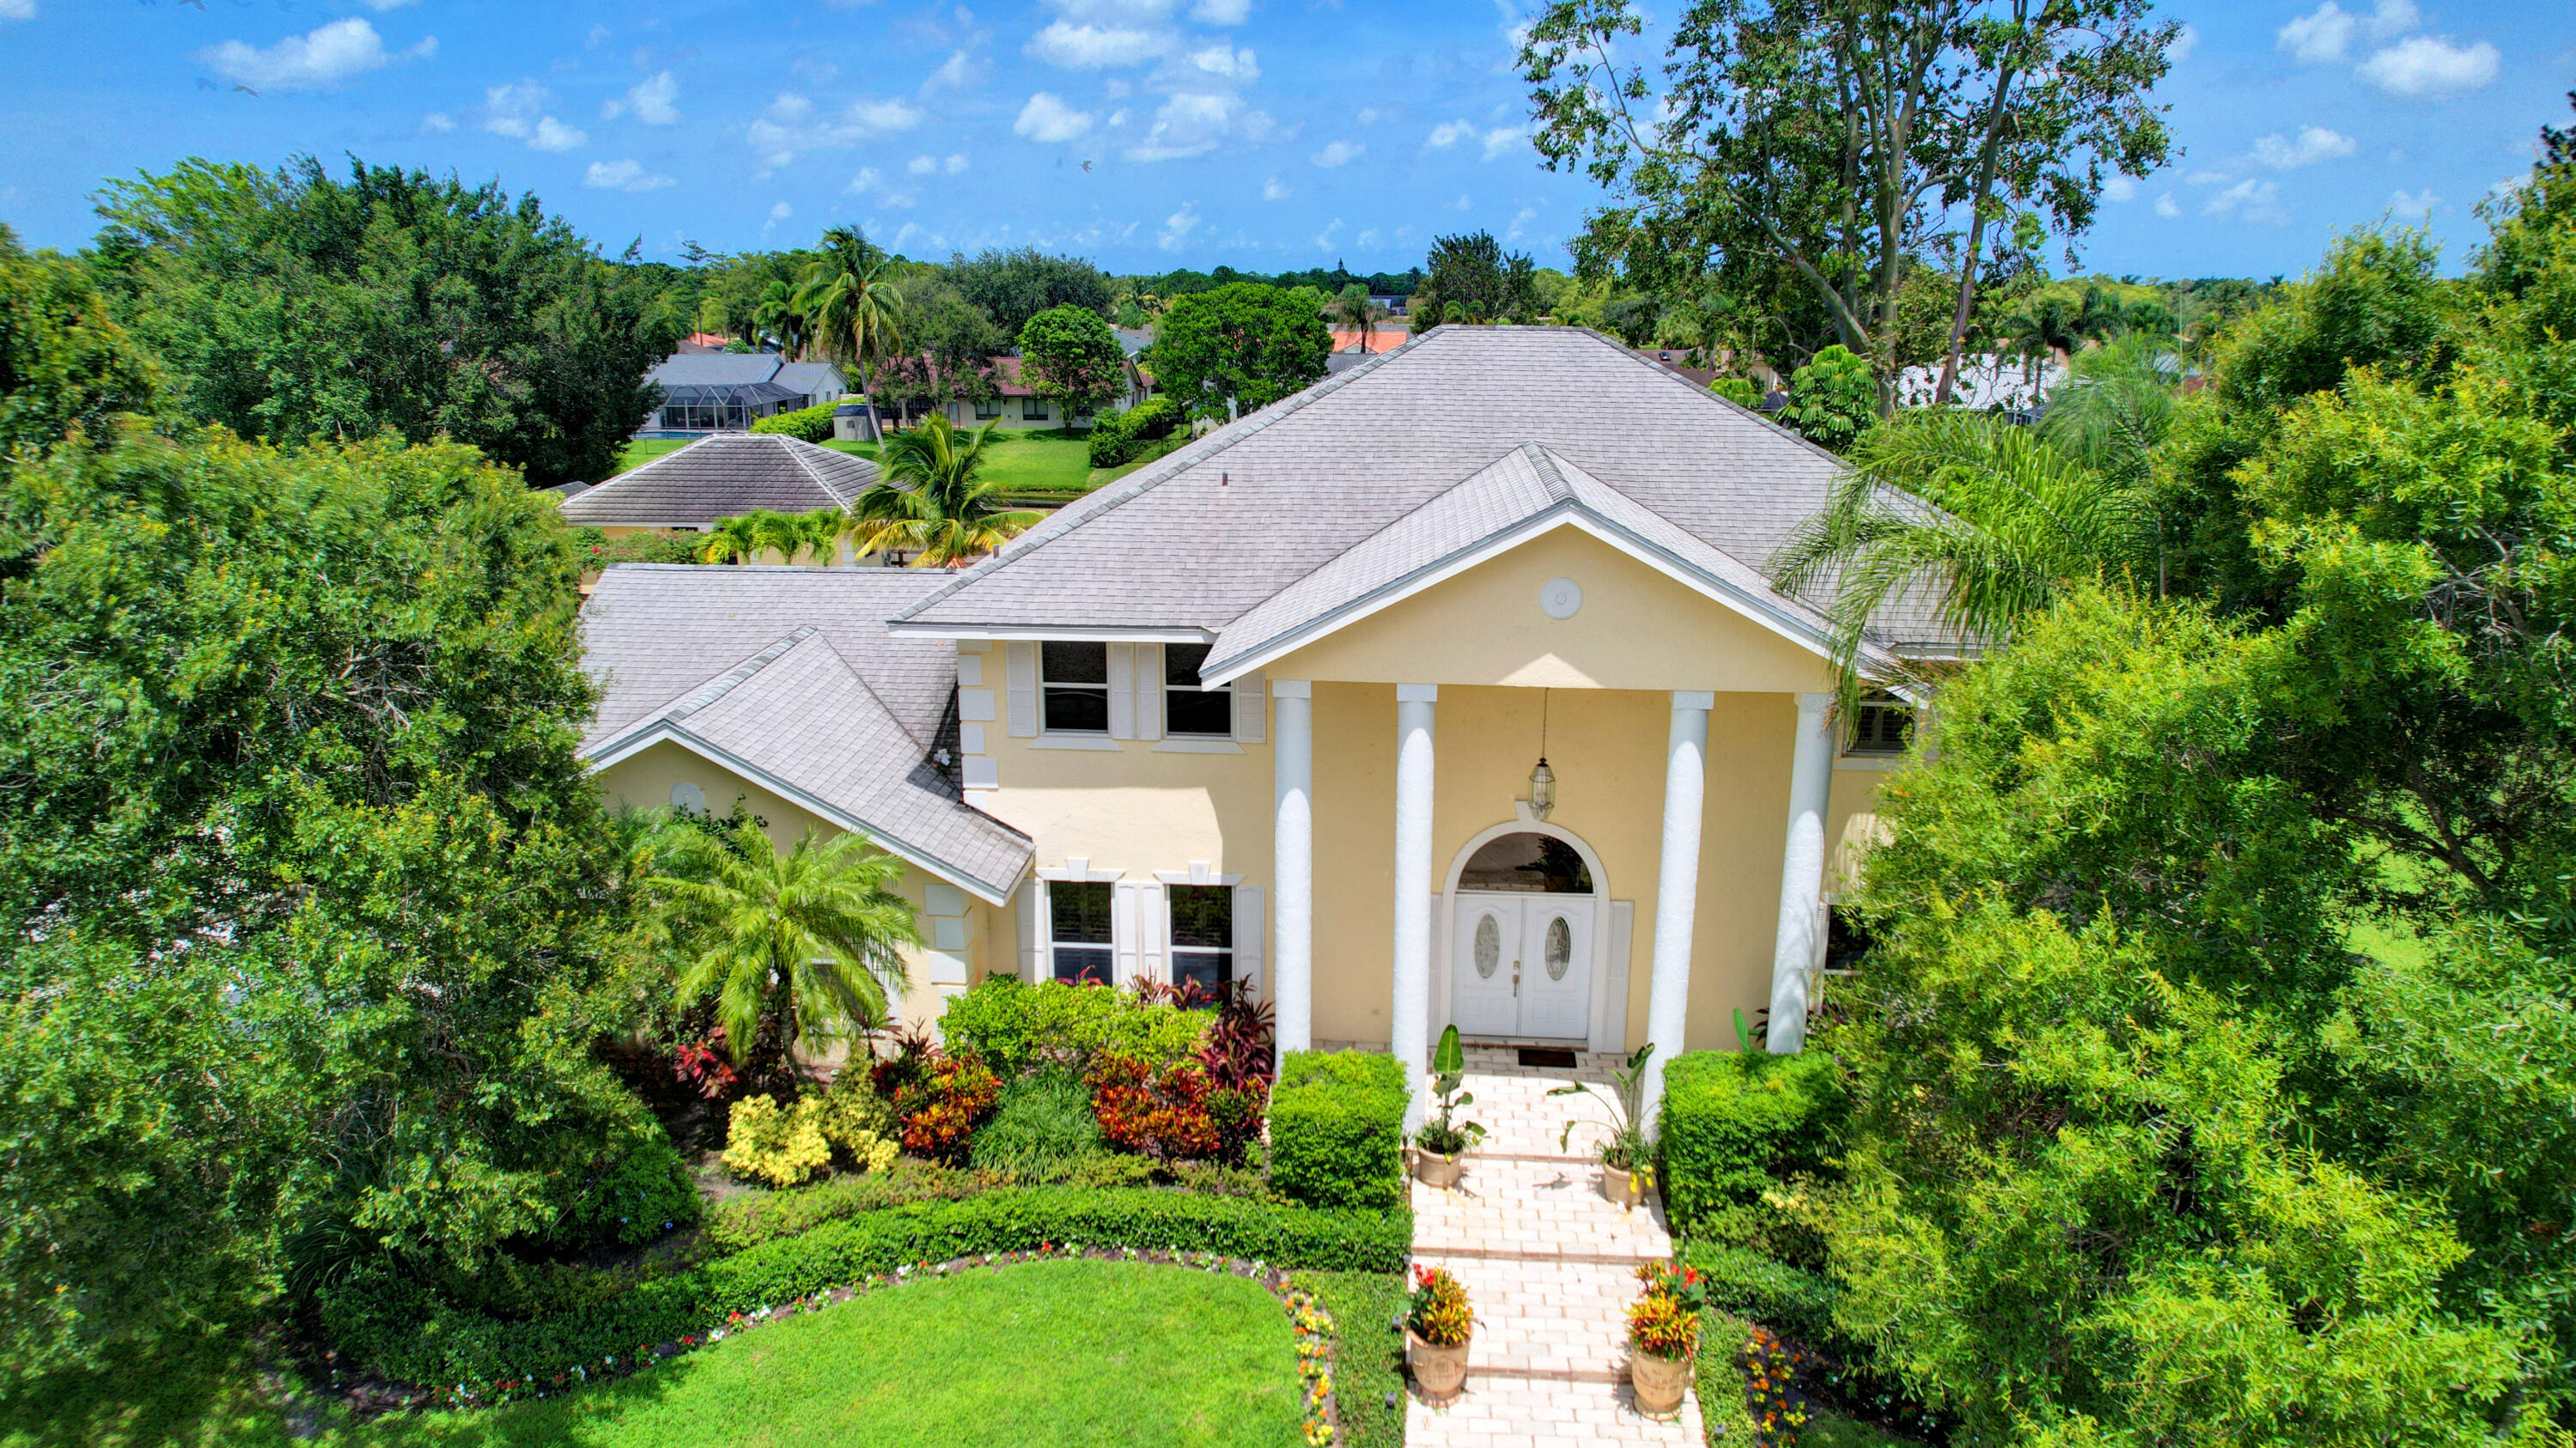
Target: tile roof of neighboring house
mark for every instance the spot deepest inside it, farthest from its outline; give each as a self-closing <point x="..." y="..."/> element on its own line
<point x="1132" y="340"/>
<point x="814" y="379"/>
<point x="789" y="676"/>
<point x="724" y="475"/>
<point x="1201" y="538"/>
<point x="1384" y="338"/>
<point x="723" y="369"/>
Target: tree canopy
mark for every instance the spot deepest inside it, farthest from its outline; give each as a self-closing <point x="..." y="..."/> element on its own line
<point x="1236" y="348"/>
<point x="1070" y="355"/>
<point x="294" y="305"/>
<point x="1013" y="286"/>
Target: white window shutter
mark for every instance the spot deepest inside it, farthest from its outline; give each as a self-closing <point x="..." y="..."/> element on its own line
<point x="1149" y="691"/>
<point x="1122" y="929"/>
<point x="1250" y="930"/>
<point x="1020" y="665"/>
<point x="1153" y="932"/>
<point x="1122" y="691"/>
<point x="1033" y="931"/>
<point x="1251" y="711"/>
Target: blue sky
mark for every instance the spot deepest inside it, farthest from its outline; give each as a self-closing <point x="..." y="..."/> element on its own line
<point x="1150" y="134"/>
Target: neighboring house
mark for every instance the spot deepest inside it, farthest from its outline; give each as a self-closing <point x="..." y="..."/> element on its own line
<point x="728" y="391"/>
<point x="1270" y="710"/>
<point x="1987" y="382"/>
<point x="722" y="475"/>
<point x="1382" y="338"/>
<point x="1015" y="406"/>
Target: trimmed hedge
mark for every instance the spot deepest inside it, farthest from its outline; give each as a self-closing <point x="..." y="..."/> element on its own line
<point x="809" y="424"/>
<point x="1118" y="437"/>
<point x="1014" y="1025"/>
<point x="1337" y="1129"/>
<point x="1737" y="1123"/>
<point x="1744" y="1281"/>
<point x="404" y="1332"/>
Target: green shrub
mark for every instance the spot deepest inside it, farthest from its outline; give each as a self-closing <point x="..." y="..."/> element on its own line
<point x="1736" y="1124"/>
<point x="807" y="424"/>
<point x="1111" y="441"/>
<point x="1119" y="438"/>
<point x="1337" y="1129"/>
<point x="634" y="1199"/>
<point x="1742" y="1280"/>
<point x="749" y="1220"/>
<point x="1014" y="1026"/>
<point x="1153" y="419"/>
<point x="1043" y="1127"/>
<point x="780" y="1145"/>
<point x="1737" y="390"/>
<point x="399" y="1328"/>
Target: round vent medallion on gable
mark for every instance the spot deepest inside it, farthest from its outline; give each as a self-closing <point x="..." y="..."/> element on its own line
<point x="688" y="798"/>
<point x="1560" y="597"/>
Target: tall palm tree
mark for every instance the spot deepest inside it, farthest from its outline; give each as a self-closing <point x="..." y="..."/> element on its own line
<point x="932" y="500"/>
<point x="745" y="538"/>
<point x="778" y="315"/>
<point x="1361" y="314"/>
<point x="850" y="299"/>
<point x="813" y="934"/>
<point x="1996" y="522"/>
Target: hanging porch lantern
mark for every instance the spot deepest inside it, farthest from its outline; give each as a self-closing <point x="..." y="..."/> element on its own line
<point x="1542" y="789"/>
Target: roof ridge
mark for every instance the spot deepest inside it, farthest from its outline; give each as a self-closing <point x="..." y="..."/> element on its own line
<point x="1170" y="466"/>
<point x="793" y="446"/>
<point x="1549" y="475"/>
<point x="1696" y="390"/>
<point x="708" y="693"/>
<point x="645" y="466"/>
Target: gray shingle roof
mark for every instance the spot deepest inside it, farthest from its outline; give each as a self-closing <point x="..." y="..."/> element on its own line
<point x="700" y="369"/>
<point x="789" y="676"/>
<point x="723" y="475"/>
<point x="1200" y="538"/>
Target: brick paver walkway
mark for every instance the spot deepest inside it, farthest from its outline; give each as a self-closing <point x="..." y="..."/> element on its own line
<point x="1548" y="1264"/>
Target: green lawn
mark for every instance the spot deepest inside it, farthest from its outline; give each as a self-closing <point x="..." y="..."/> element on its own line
<point x="1034" y="465"/>
<point x="1039" y="1354"/>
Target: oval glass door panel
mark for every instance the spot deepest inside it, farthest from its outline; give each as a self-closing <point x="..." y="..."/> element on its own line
<point x="1560" y="948"/>
<point x="1489" y="946"/>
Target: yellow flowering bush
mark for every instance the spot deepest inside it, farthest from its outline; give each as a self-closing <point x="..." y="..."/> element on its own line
<point x="782" y="1147"/>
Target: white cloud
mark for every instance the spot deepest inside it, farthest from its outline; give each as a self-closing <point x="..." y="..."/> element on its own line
<point x="2165" y="205"/>
<point x="381" y="6"/>
<point x="1118" y="117"/>
<point x="17" y="9"/>
<point x="1365" y="239"/>
<point x="862" y="183"/>
<point x="2120" y="188"/>
<point x="437" y="121"/>
<point x="1271" y="190"/>
<point x="1047" y="118"/>
<point x="1193" y="125"/>
<point x="781" y="211"/>
<point x="624" y="176"/>
<point x="2417" y="204"/>
<point x="2325" y="34"/>
<point x="1462" y="204"/>
<point x="791" y="125"/>
<point x="1221" y="12"/>
<point x="320" y="59"/>
<point x="2249" y="200"/>
<point x="1224" y="60"/>
<point x="1093" y="47"/>
<point x="1370" y="116"/>
<point x="2314" y="144"/>
<point x="1520" y="219"/>
<point x="1450" y="133"/>
<point x="923" y="165"/>
<point x="1339" y="153"/>
<point x="1501" y="139"/>
<point x="519" y="112"/>
<point x="1324" y="238"/>
<point x="2186" y="40"/>
<point x="959" y="70"/>
<point x="653" y="101"/>
<point x="1178" y="226"/>
<point x="2425" y="65"/>
<point x="601" y="35"/>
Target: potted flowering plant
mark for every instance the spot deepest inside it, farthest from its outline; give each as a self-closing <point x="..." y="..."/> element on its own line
<point x="1437" y="1324"/>
<point x="1439" y="1143"/>
<point x="1627" y="1162"/>
<point x="1663" y="1335"/>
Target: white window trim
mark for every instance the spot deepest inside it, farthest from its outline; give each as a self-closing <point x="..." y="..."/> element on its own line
<point x="1092" y="742"/>
<point x="1169" y="688"/>
<point x="1108" y="690"/>
<point x="1235" y="957"/>
<point x="1197" y="874"/>
<point x="1078" y="869"/>
<point x="1197" y="744"/>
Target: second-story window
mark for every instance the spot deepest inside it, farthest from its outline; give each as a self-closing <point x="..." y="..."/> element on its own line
<point x="1074" y="679"/>
<point x="1188" y="710"/>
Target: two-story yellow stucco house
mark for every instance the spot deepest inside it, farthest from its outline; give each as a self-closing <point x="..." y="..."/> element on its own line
<point x="1274" y="710"/>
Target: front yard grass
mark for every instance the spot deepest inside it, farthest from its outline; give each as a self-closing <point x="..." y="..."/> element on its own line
<point x="1053" y="1354"/>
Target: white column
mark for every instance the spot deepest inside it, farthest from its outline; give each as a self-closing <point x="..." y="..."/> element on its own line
<point x="1801" y="941"/>
<point x="1409" y="1019"/>
<point x="1676" y="889"/>
<point x="1292" y="867"/>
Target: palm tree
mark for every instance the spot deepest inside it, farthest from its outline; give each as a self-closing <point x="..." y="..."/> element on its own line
<point x="745" y="538"/>
<point x="931" y="500"/>
<point x="1361" y="313"/>
<point x="778" y="315"/>
<point x="813" y="934"/>
<point x="1995" y="520"/>
<point x="850" y="299"/>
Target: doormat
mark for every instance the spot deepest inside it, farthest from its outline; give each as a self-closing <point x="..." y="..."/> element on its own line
<point x="1546" y="1056"/>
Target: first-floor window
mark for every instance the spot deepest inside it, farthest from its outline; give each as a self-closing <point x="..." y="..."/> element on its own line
<point x="1078" y="931"/>
<point x="1203" y="935"/>
<point x="987" y="408"/>
<point x="1883" y="724"/>
<point x="1033" y="409"/>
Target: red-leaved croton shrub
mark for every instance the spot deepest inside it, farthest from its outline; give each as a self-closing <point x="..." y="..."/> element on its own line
<point x="1176" y="1114"/>
<point x="940" y="1098"/>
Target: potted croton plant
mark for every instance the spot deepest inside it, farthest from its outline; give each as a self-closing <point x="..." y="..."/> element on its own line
<point x="1437" y="1324"/>
<point x="1440" y="1142"/>
<point x="1663" y="1335"/>
<point x="1627" y="1162"/>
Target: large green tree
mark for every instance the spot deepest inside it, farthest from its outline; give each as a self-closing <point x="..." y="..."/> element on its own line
<point x="295" y="304"/>
<point x="1069" y="354"/>
<point x="64" y="363"/>
<point x="1242" y="346"/>
<point x="310" y="905"/>
<point x="1476" y="276"/>
<point x="1013" y="286"/>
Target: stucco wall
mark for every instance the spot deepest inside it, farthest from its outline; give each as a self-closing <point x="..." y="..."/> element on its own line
<point x="646" y="780"/>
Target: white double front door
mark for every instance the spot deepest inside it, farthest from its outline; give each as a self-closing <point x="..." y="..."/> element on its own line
<point x="1521" y="965"/>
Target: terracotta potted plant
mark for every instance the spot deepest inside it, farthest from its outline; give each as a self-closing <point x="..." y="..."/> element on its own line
<point x="1627" y="1161"/>
<point x="1439" y="1144"/>
<point x="1437" y="1325"/>
<point x="1663" y="1336"/>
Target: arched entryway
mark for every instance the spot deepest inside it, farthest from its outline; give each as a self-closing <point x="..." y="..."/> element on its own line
<point x="1527" y="920"/>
